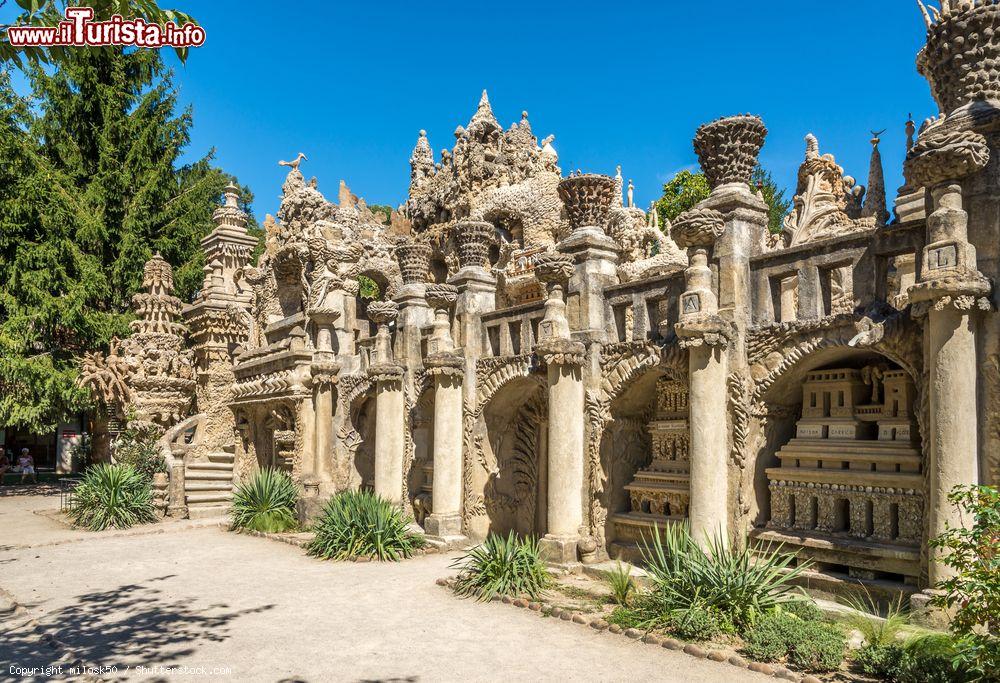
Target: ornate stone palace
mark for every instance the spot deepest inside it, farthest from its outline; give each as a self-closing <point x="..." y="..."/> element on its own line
<point x="543" y="356"/>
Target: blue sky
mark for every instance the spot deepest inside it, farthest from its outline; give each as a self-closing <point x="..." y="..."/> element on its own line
<point x="352" y="83"/>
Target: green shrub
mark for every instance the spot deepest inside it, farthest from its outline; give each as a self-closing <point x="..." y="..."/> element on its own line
<point x="817" y="647"/>
<point x="811" y="645"/>
<point x="502" y="566"/>
<point x="767" y="640"/>
<point x="621" y="583"/>
<point x="136" y="446"/>
<point x="112" y="496"/>
<point x="932" y="659"/>
<point x="880" y="661"/>
<point x="804" y="608"/>
<point x="695" y="623"/>
<point x="265" y="502"/>
<point x="973" y="592"/>
<point x="362" y="524"/>
<point x="738" y="582"/>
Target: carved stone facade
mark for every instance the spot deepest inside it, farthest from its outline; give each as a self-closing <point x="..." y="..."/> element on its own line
<point x="543" y="356"/>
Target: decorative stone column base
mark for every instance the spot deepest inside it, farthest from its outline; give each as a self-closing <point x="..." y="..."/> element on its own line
<point x="560" y="551"/>
<point x="446" y="529"/>
<point x="310" y="503"/>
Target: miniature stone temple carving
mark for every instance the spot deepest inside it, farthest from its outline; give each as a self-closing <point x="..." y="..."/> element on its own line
<point x="519" y="349"/>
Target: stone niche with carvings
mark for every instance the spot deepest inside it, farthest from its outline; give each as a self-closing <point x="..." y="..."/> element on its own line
<point x="659" y="493"/>
<point x="848" y="492"/>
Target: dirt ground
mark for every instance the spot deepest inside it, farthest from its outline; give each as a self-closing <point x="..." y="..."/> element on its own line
<point x="195" y="602"/>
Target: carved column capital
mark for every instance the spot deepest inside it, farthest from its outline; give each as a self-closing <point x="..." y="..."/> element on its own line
<point x="325" y="372"/>
<point x="588" y="199"/>
<point x="727" y="149"/>
<point x="445" y="365"/>
<point x="555" y="351"/>
<point x="704" y="330"/>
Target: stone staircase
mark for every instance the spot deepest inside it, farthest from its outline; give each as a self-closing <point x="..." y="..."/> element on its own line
<point x="208" y="485"/>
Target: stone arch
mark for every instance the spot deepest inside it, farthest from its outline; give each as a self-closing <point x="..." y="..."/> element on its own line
<point x="618" y="440"/>
<point x="357" y="433"/>
<point x="504" y="449"/>
<point x="419" y="459"/>
<point x="787" y="482"/>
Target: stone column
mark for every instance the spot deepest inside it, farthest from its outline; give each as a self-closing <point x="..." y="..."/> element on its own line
<point x="324" y="370"/>
<point x="564" y="358"/>
<point x="706" y="336"/>
<point x="950" y="291"/>
<point x="414" y="313"/>
<point x="390" y="444"/>
<point x="176" y="497"/>
<point x="447" y="368"/>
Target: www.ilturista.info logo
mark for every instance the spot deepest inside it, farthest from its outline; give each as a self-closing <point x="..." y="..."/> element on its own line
<point x="80" y="29"/>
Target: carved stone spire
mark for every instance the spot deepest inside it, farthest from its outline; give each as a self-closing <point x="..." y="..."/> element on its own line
<point x="875" y="205"/>
<point x="421" y="161"/>
<point x="483" y="122"/>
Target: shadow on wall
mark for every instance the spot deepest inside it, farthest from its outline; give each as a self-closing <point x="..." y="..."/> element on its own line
<point x="134" y="624"/>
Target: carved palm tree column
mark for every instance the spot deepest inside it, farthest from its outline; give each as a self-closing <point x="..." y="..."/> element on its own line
<point x="707" y="336"/>
<point x="588" y="199"/>
<point x="564" y="359"/>
<point x="950" y="290"/>
<point x="448" y="369"/>
<point x="390" y="444"/>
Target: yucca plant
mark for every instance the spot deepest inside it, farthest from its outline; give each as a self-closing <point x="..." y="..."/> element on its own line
<point x="621" y="583"/>
<point x="362" y="524"/>
<point x="265" y="502"/>
<point x="739" y="582"/>
<point x="112" y="496"/>
<point x="502" y="566"/>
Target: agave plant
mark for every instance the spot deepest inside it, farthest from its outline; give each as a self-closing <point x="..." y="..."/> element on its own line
<point x="265" y="502"/>
<point x="112" y="496"/>
<point x="502" y="566"/>
<point x="621" y="583"/>
<point x="362" y="524"/>
<point x="739" y="582"/>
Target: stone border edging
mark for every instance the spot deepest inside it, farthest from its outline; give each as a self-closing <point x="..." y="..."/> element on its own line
<point x="141" y="530"/>
<point x="667" y="643"/>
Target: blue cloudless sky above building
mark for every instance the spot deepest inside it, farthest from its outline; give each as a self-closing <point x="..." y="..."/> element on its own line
<point x="352" y="83"/>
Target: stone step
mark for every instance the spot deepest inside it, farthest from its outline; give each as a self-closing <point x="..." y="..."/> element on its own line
<point x="215" y="466"/>
<point x="212" y="497"/>
<point x="208" y="486"/>
<point x="221" y="456"/>
<point x="209" y="475"/>
<point x="208" y="511"/>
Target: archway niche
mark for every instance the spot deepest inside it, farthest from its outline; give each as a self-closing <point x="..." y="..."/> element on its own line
<point x="513" y="474"/>
<point x="420" y="477"/>
<point x="361" y="474"/>
<point x="644" y="457"/>
<point x="840" y="478"/>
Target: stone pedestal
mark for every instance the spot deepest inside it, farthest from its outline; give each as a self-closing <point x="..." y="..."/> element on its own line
<point x="445" y="521"/>
<point x="565" y="450"/>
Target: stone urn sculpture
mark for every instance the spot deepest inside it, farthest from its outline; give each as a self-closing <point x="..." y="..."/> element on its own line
<point x="414" y="262"/>
<point x="588" y="199"/>
<point x="727" y="149"/>
<point x="961" y="60"/>
<point x="474" y="239"/>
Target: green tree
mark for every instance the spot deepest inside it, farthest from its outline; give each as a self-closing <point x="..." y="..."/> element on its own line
<point x="50" y="12"/>
<point x="686" y="189"/>
<point x="90" y="187"/>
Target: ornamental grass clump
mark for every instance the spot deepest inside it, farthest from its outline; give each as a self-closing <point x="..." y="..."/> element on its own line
<point x="502" y="566"/>
<point x="738" y="584"/>
<point x="363" y="524"/>
<point x="112" y="496"/>
<point x="621" y="583"/>
<point x="265" y="502"/>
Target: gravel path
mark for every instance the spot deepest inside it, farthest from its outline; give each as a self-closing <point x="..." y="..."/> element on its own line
<point x="207" y="599"/>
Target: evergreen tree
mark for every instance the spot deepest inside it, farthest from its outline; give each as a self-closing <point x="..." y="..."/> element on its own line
<point x="686" y="189"/>
<point x="90" y="187"/>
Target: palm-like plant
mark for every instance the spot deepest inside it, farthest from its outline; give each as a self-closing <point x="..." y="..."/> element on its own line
<point x="502" y="566"/>
<point x="265" y="502"/>
<point x="738" y="581"/>
<point x="621" y="583"/>
<point x="362" y="524"/>
<point x="112" y="496"/>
